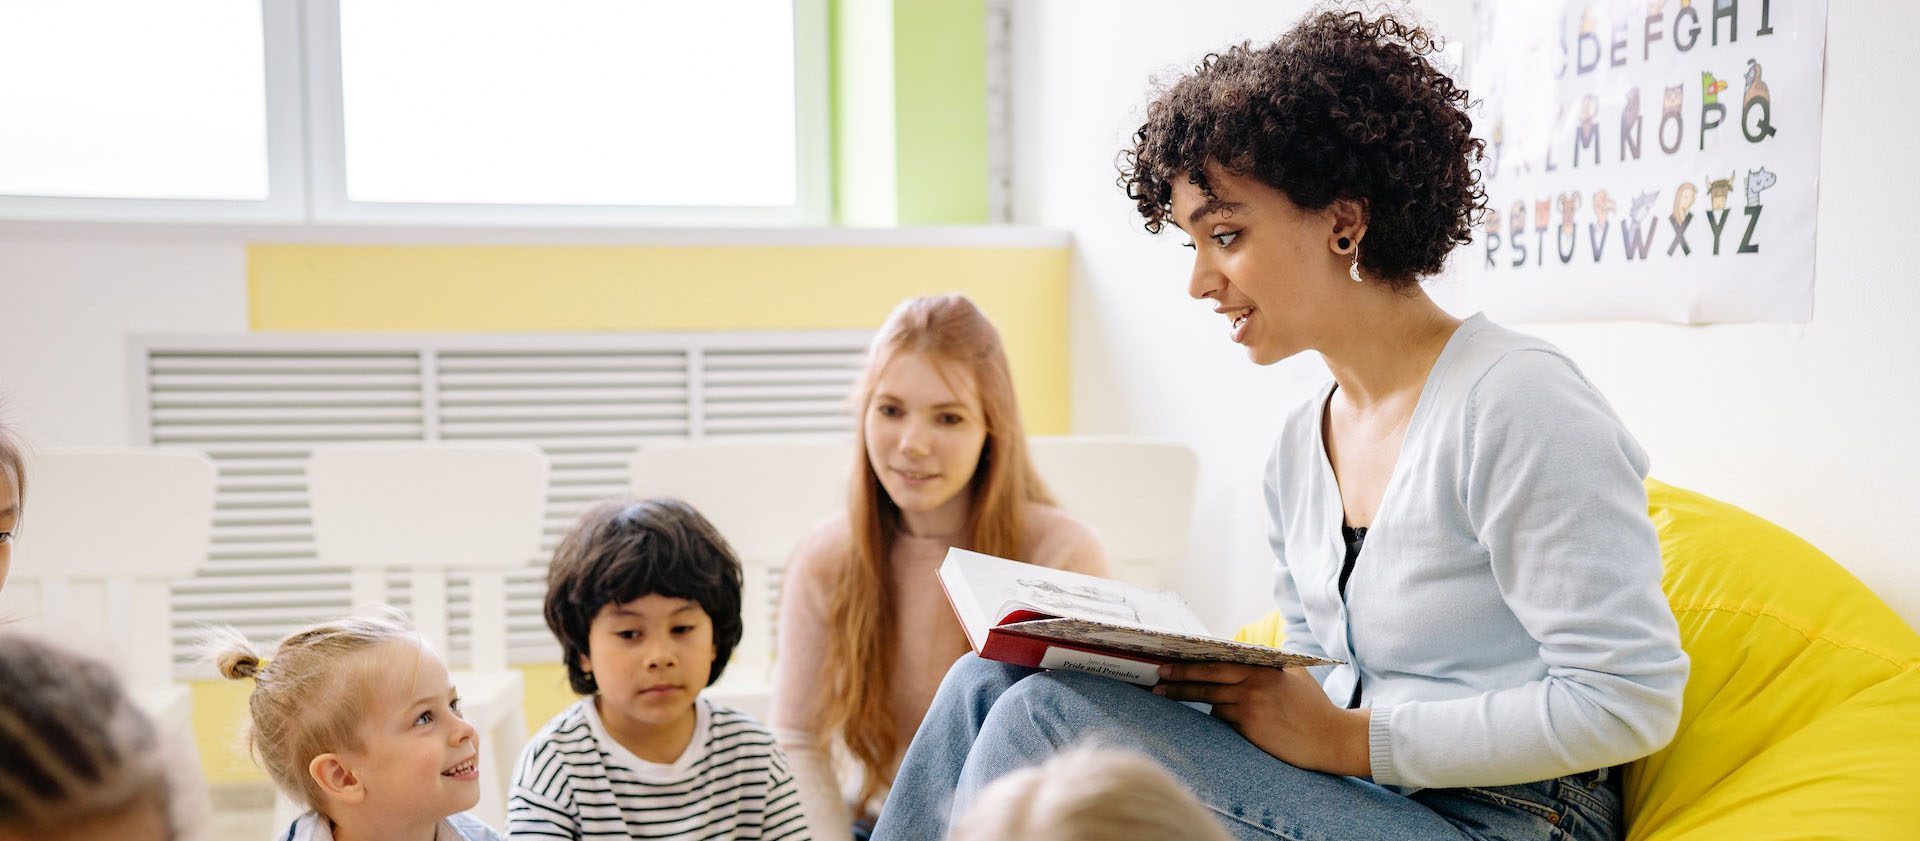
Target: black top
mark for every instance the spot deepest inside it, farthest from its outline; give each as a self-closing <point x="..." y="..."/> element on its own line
<point x="1356" y="538"/>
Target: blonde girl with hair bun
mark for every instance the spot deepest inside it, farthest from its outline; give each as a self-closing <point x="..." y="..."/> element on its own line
<point x="1088" y="793"/>
<point x="357" y="720"/>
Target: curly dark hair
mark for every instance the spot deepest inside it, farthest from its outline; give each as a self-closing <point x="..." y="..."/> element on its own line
<point x="1342" y="106"/>
<point x="621" y="551"/>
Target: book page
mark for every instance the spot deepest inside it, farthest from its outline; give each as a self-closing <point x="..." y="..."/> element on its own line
<point x="996" y="587"/>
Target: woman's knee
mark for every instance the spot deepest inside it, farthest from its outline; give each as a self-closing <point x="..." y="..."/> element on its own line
<point x="975" y="684"/>
<point x="1061" y="703"/>
<point x="973" y="673"/>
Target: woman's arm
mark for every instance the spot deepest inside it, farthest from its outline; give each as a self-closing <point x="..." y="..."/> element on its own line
<point x="1057" y="539"/>
<point x="799" y="681"/>
<point x="786" y="817"/>
<point x="1286" y="597"/>
<point x="1553" y="489"/>
<point x="1284" y="712"/>
<point x="1281" y="711"/>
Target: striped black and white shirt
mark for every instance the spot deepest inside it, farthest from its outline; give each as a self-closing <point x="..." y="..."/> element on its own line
<point x="574" y="781"/>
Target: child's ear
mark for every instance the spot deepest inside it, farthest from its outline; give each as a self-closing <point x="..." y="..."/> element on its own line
<point x="336" y="779"/>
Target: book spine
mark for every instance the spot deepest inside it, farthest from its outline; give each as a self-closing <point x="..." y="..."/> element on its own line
<point x="1049" y="654"/>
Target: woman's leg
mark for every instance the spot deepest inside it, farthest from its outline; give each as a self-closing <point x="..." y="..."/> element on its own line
<point x="923" y="789"/>
<point x="1255" y="796"/>
<point x="990" y="719"/>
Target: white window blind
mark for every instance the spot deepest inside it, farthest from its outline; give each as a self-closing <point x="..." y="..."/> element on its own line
<point x="258" y="405"/>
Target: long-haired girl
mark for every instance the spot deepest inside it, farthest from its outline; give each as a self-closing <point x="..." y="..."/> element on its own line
<point x="865" y="631"/>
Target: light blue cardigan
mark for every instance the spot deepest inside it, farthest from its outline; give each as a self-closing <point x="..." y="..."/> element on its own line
<point x="1505" y="615"/>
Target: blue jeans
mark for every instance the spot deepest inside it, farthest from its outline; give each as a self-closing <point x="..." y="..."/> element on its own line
<point x="991" y="718"/>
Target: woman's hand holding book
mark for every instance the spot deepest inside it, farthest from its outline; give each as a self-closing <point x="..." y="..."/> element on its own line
<point x="1281" y="711"/>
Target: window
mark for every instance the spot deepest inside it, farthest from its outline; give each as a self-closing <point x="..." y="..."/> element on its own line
<point x="423" y="111"/>
<point x="124" y="108"/>
<point x="590" y="110"/>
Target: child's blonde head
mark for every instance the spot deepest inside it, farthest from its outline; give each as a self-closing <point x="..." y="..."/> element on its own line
<point x="13" y="495"/>
<point x="1088" y="794"/>
<point x="310" y="697"/>
<point x="13" y="464"/>
<point x="79" y="757"/>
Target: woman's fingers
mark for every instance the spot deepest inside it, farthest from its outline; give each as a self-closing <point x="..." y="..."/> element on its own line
<point x="1206" y="672"/>
<point x="1206" y="693"/>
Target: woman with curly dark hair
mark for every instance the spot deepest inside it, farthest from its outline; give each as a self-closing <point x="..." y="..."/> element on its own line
<point x="1458" y="516"/>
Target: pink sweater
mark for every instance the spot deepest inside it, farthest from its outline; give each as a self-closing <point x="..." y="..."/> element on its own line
<point x="927" y="638"/>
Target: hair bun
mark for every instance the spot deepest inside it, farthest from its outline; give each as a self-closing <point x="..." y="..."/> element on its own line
<point x="238" y="664"/>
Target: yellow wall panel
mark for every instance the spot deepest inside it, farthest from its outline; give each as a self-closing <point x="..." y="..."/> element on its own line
<point x="556" y="289"/>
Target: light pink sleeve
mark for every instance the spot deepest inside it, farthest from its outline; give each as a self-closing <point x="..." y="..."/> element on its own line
<point x="799" y="683"/>
<point x="1062" y="542"/>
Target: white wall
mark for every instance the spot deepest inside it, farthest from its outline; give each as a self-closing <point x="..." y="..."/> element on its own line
<point x="67" y="305"/>
<point x="1809" y="426"/>
<point x="1147" y="360"/>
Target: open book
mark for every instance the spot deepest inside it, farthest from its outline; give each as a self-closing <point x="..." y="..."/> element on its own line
<point x="1054" y="619"/>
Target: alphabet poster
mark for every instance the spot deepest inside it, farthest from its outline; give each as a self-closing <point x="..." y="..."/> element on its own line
<point x="1653" y="160"/>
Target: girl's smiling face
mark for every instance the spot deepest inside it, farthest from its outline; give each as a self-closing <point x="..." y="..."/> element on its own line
<point x="418" y="758"/>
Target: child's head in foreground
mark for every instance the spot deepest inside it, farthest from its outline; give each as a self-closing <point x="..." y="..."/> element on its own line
<point x="644" y="597"/>
<point x="77" y="759"/>
<point x="357" y="720"/>
<point x="1088" y="794"/>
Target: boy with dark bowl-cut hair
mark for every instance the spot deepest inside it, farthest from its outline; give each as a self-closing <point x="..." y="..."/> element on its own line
<point x="644" y="598"/>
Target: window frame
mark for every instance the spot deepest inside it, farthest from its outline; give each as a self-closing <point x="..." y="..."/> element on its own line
<point x="326" y="144"/>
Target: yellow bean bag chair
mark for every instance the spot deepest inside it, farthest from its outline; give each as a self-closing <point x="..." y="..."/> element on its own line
<point x="1802" y="715"/>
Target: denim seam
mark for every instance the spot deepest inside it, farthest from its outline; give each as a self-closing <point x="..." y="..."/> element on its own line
<point x="1542" y="811"/>
<point x="1578" y="794"/>
<point x="1254" y="824"/>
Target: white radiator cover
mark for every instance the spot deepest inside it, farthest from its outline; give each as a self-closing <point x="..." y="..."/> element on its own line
<point x="258" y="404"/>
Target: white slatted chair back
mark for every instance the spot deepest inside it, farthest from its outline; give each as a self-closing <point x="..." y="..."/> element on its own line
<point x="104" y="535"/>
<point x="431" y="509"/>
<point x="764" y="495"/>
<point x="1137" y="494"/>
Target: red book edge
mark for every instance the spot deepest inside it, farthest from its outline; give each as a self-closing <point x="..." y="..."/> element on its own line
<point x="1006" y="646"/>
<point x="1010" y="646"/>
